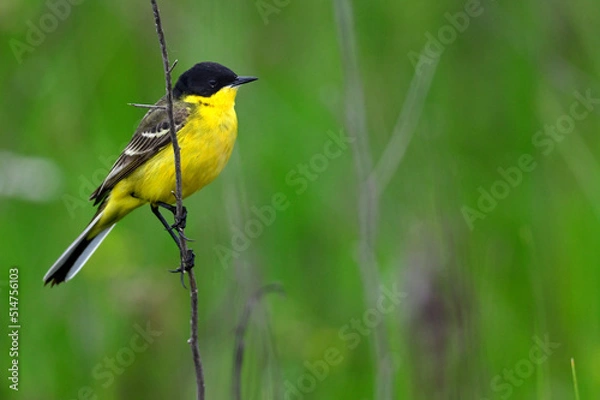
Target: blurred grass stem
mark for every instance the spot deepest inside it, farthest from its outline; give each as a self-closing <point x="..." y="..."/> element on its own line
<point x="240" y="331"/>
<point x="368" y="200"/>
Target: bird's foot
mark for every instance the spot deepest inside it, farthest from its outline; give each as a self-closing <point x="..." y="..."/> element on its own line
<point x="186" y="265"/>
<point x="180" y="221"/>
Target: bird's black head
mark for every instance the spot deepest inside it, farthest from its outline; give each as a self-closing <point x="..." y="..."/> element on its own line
<point x="207" y="78"/>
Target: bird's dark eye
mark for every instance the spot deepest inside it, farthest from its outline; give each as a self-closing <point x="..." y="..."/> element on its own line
<point x="212" y="83"/>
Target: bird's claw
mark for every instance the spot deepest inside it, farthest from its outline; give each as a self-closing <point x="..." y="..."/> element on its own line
<point x="180" y="221"/>
<point x="187" y="264"/>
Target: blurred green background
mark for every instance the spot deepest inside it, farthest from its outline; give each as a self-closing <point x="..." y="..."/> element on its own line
<point x="494" y="308"/>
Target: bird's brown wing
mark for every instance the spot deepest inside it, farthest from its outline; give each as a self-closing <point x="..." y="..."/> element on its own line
<point x="151" y="136"/>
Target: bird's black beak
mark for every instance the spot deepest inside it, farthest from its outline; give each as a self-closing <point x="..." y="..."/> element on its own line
<point x="240" y="80"/>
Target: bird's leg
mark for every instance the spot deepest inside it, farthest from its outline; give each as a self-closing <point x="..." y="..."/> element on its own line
<point x="188" y="262"/>
<point x="166" y="206"/>
<point x="163" y="221"/>
<point x="180" y="223"/>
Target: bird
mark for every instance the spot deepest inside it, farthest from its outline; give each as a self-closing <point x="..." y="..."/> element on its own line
<point x="206" y="124"/>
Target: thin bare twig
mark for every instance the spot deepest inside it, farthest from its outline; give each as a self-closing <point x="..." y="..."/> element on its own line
<point x="187" y="256"/>
<point x="238" y="357"/>
<point x="152" y="106"/>
<point x="173" y="66"/>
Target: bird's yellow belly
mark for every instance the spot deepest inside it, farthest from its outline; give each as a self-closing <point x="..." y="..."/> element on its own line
<point x="206" y="145"/>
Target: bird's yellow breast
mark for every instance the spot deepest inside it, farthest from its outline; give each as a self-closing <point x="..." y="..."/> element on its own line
<point x="206" y="143"/>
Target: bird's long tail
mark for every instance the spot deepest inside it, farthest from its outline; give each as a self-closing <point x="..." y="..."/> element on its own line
<point x="74" y="258"/>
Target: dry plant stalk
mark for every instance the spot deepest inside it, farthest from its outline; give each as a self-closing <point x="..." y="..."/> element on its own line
<point x="187" y="255"/>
